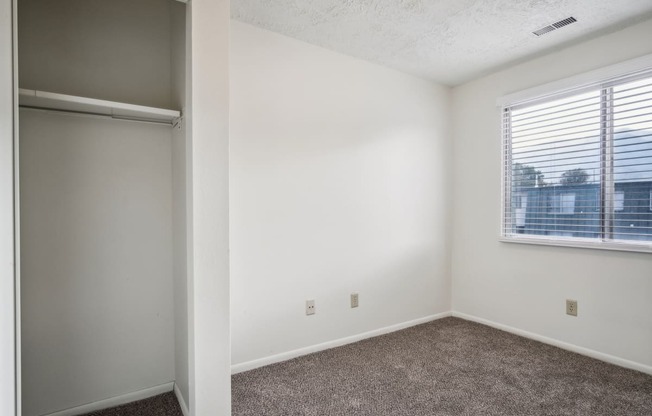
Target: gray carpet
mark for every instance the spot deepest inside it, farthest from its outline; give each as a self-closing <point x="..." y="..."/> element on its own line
<point x="446" y="367"/>
<point x="161" y="405"/>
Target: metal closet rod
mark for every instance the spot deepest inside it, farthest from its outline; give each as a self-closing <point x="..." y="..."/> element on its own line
<point x="100" y="115"/>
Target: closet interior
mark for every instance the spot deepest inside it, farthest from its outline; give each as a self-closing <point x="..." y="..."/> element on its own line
<point x="102" y="207"/>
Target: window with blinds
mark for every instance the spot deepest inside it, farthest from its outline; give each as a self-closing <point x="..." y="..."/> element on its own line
<point x="578" y="165"/>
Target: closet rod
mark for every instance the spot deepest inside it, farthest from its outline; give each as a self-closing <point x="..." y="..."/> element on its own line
<point x="75" y="104"/>
<point x="99" y="115"/>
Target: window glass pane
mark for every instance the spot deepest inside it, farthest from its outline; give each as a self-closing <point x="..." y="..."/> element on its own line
<point x="619" y="201"/>
<point x="632" y="121"/>
<point x="556" y="166"/>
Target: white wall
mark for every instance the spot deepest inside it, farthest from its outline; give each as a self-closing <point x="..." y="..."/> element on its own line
<point x="115" y="50"/>
<point x="96" y="259"/>
<point x="339" y="183"/>
<point x="7" y="321"/>
<point x="526" y="286"/>
<point x="179" y="200"/>
<point x="208" y="212"/>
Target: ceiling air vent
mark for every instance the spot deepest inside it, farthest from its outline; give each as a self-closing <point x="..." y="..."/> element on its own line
<point x="555" y="26"/>
<point x="564" y="22"/>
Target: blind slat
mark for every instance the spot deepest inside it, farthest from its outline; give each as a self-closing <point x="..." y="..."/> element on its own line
<point x="542" y="131"/>
<point x="556" y="144"/>
<point x="574" y="103"/>
<point x="571" y="118"/>
<point x="620" y="132"/>
<point x="565" y="112"/>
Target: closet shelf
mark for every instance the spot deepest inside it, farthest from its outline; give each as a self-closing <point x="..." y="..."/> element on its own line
<point x="73" y="104"/>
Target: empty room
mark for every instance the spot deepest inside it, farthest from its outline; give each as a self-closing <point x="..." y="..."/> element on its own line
<point x="325" y="207"/>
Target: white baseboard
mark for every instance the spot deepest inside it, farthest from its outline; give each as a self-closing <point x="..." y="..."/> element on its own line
<point x="556" y="343"/>
<point x="115" y="401"/>
<point x="261" y="362"/>
<point x="181" y="400"/>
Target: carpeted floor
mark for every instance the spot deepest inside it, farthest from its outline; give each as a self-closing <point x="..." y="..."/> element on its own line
<point x="162" y="405"/>
<point x="446" y="367"/>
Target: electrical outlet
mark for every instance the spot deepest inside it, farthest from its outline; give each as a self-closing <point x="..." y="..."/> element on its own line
<point x="310" y="307"/>
<point x="354" y="300"/>
<point x="571" y="307"/>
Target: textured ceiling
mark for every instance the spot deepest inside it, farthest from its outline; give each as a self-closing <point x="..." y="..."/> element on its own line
<point x="448" y="41"/>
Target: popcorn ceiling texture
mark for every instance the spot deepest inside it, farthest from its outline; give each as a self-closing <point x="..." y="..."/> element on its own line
<point x="448" y="41"/>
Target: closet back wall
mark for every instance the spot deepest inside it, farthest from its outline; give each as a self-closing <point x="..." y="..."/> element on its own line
<point x="96" y="238"/>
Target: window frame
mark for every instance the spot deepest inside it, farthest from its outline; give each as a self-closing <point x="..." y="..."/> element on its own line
<point x="603" y="78"/>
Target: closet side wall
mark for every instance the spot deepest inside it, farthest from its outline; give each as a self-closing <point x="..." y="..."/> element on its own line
<point x="208" y="282"/>
<point x="179" y="200"/>
<point x="7" y="332"/>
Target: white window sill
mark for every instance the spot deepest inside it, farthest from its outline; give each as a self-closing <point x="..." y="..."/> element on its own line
<point x="644" y="247"/>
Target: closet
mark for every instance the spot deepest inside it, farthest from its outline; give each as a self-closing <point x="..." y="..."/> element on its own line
<point x="102" y="191"/>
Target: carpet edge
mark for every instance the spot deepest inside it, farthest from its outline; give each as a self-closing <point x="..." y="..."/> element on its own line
<point x="288" y="355"/>
<point x="116" y="400"/>
<point x="608" y="358"/>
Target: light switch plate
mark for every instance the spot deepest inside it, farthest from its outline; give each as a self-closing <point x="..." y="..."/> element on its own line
<point x="354" y="300"/>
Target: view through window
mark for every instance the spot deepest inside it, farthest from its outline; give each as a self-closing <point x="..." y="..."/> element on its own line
<point x="578" y="166"/>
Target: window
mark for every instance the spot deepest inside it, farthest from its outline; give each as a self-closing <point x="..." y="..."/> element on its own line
<point x="563" y="204"/>
<point x="582" y="159"/>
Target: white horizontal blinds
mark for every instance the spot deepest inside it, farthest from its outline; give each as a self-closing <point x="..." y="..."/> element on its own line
<point x="632" y="159"/>
<point x="555" y="150"/>
<point x="579" y="165"/>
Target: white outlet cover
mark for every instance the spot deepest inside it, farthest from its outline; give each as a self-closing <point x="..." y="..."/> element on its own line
<point x="310" y="307"/>
<point x="571" y="307"/>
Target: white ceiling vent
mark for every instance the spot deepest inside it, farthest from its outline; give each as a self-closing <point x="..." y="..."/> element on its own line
<point x="555" y="26"/>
